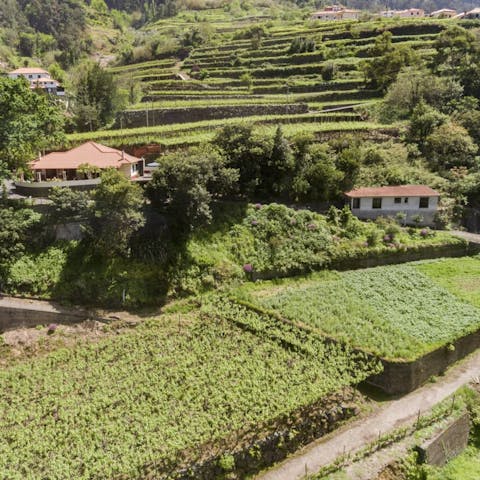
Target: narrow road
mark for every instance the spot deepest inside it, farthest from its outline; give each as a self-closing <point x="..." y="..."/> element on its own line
<point x="468" y="236"/>
<point x="392" y="415"/>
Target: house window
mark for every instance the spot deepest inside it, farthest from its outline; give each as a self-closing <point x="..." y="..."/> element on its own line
<point x="377" y="203"/>
<point x="398" y="200"/>
<point x="424" y="202"/>
<point x="356" y="203"/>
<point x="405" y="200"/>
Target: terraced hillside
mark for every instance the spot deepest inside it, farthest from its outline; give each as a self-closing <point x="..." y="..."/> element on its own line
<point x="262" y="79"/>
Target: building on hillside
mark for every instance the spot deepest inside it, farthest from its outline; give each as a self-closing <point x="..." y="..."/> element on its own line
<point x="39" y="79"/>
<point x="472" y="14"/>
<point x="409" y="13"/>
<point x="443" y="13"/>
<point x="412" y="200"/>
<point x="336" y="12"/>
<point x="85" y="162"/>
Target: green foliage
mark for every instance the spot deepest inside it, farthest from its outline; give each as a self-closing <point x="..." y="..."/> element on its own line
<point x="116" y="215"/>
<point x="302" y="45"/>
<point x="97" y="97"/>
<point x="67" y="205"/>
<point x="383" y="309"/>
<point x="185" y="186"/>
<point x="387" y="61"/>
<point x="29" y="123"/>
<point x="178" y="383"/>
<point x="15" y="230"/>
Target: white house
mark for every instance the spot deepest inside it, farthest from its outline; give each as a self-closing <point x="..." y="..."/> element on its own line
<point x="412" y="200"/>
<point x="38" y="78"/>
<point x="473" y="14"/>
<point x="409" y="13"/>
<point x="336" y="12"/>
<point x="443" y="13"/>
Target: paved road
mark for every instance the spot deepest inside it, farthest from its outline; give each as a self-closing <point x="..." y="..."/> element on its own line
<point x="394" y="414"/>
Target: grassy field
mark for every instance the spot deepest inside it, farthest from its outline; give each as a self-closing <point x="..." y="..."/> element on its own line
<point x="461" y="277"/>
<point x="394" y="312"/>
<point x="172" y="391"/>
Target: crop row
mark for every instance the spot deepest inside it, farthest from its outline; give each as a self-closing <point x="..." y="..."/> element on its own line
<point x="395" y="312"/>
<point x="159" y="397"/>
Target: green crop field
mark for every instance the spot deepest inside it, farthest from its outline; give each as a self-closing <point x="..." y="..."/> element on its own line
<point x="394" y="312"/>
<point x="172" y="391"/>
<point x="460" y="276"/>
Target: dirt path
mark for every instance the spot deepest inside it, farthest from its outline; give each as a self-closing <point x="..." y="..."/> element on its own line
<point x="392" y="415"/>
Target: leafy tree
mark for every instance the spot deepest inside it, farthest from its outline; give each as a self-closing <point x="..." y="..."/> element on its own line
<point x="414" y="85"/>
<point x="97" y="97"/>
<point x="185" y="185"/>
<point x="29" y="123"/>
<point x="450" y="145"/>
<point x="246" y="152"/>
<point x="116" y="214"/>
<point x="281" y="165"/>
<point x="15" y="226"/>
<point x="454" y="45"/>
<point x="424" y="121"/>
<point x="382" y="70"/>
<point x="67" y="205"/>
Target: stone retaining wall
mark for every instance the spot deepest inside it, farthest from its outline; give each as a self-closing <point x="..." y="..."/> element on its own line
<point x="168" y="116"/>
<point x="447" y="444"/>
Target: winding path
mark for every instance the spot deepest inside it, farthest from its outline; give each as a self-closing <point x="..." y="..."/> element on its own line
<point x="392" y="415"/>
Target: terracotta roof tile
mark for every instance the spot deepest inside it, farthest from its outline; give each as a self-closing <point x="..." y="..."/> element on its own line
<point x="397" y="191"/>
<point x="92" y="153"/>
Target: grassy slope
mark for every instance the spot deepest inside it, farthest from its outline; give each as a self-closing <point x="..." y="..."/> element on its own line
<point x="395" y="312"/>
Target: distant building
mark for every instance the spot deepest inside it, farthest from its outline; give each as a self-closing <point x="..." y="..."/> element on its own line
<point x="70" y="165"/>
<point x="412" y="200"/>
<point x="336" y="12"/>
<point x="443" y="13"/>
<point x="40" y="79"/>
<point x="472" y="14"/>
<point x="409" y="13"/>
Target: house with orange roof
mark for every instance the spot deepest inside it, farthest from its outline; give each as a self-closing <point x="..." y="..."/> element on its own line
<point x="38" y="79"/>
<point x="411" y="200"/>
<point x="85" y="161"/>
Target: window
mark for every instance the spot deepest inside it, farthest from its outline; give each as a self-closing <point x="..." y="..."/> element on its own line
<point x="377" y="203"/>
<point x="398" y="200"/>
<point x="424" y="202"/>
<point x="356" y="203"/>
<point x="406" y="200"/>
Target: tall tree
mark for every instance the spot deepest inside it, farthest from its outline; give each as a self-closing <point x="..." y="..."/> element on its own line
<point x="117" y="214"/>
<point x="97" y="97"/>
<point x="29" y="123"/>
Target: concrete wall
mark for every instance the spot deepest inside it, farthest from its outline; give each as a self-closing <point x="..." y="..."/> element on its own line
<point x="447" y="444"/>
<point x="42" y="189"/>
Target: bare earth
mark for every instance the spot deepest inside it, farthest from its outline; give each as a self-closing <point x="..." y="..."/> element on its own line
<point x="392" y="415"/>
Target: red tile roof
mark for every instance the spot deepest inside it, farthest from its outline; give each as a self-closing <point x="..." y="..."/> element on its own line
<point x="26" y="71"/>
<point x="92" y="153"/>
<point x="398" y="191"/>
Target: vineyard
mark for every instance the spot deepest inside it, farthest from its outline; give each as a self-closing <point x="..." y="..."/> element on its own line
<point x="395" y="312"/>
<point x="171" y="392"/>
<point x="229" y="76"/>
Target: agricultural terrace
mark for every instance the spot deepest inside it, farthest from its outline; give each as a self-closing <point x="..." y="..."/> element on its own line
<point x="171" y="392"/>
<point x="395" y="312"/>
<point x="231" y="75"/>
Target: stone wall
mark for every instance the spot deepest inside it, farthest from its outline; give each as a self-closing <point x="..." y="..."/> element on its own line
<point x="403" y="377"/>
<point x="167" y="116"/>
<point x="447" y="444"/>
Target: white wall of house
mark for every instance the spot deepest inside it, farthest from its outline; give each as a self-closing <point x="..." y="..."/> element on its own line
<point x="390" y="206"/>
